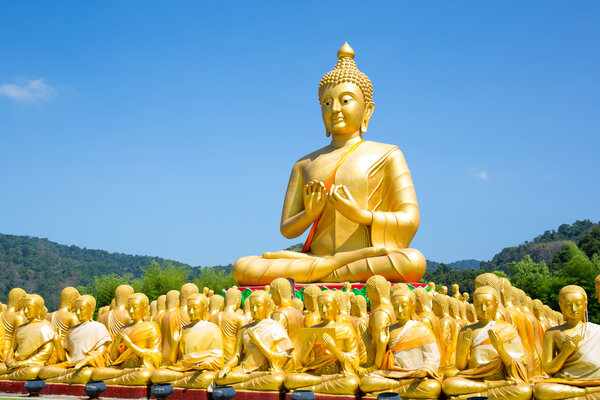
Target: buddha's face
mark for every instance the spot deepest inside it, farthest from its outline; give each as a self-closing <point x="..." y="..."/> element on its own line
<point x="444" y="290"/>
<point x="404" y="307"/>
<point x="455" y="288"/>
<point x="195" y="309"/>
<point x="328" y="308"/>
<point x="431" y="286"/>
<point x="84" y="310"/>
<point x="32" y="309"/>
<point x="466" y="296"/>
<point x="136" y="309"/>
<point x="343" y="108"/>
<point x="573" y="306"/>
<point x="259" y="308"/>
<point x="486" y="306"/>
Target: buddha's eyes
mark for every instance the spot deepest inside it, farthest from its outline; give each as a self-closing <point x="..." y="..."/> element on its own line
<point x="346" y="99"/>
<point x="326" y="102"/>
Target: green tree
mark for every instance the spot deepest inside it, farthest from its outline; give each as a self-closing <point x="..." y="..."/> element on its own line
<point x="159" y="279"/>
<point x="215" y="279"/>
<point x="103" y="287"/>
<point x="534" y="278"/>
<point x="590" y="243"/>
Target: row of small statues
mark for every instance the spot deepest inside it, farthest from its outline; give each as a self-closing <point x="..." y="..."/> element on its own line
<point x="416" y="343"/>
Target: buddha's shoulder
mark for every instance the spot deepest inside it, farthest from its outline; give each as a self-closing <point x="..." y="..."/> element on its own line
<point x="375" y="148"/>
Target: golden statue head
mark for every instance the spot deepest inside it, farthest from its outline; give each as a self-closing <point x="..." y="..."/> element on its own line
<point x="572" y="300"/>
<point x="358" y="306"/>
<point x="216" y="303"/>
<point x="486" y="300"/>
<point x="84" y="307"/>
<point x="138" y="306"/>
<point x="186" y="291"/>
<point x="33" y="307"/>
<point x="465" y="296"/>
<point x="440" y="305"/>
<point x="196" y="306"/>
<point x="68" y="296"/>
<point x="15" y="298"/>
<point x="311" y="292"/>
<point x="488" y="279"/>
<point x="342" y="300"/>
<point x="378" y="289"/>
<point x="233" y="298"/>
<point x="403" y="301"/>
<point x="122" y="294"/>
<point x="260" y="304"/>
<point x="346" y="96"/>
<point x="161" y="303"/>
<point x="298" y="304"/>
<point x="454" y="307"/>
<point x="455" y="288"/>
<point x="398" y="286"/>
<point x="328" y="306"/>
<point x="444" y="290"/>
<point x="172" y="299"/>
<point x="422" y="299"/>
<point x="281" y="290"/>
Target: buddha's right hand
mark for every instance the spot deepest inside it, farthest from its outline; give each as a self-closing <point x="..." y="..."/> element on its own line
<point x="315" y="198"/>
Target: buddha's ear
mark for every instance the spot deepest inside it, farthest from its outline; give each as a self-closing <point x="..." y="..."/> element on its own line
<point x="369" y="107"/>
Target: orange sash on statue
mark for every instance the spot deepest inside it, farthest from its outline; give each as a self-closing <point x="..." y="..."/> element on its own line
<point x="328" y="184"/>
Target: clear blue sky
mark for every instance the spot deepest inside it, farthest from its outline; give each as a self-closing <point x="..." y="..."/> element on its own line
<point x="170" y="128"/>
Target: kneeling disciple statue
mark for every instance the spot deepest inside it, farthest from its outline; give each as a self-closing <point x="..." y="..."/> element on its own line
<point x="489" y="356"/>
<point x="356" y="197"/>
<point x="197" y="350"/>
<point x="329" y="364"/>
<point x="571" y="352"/>
<point x="134" y="353"/>
<point x="32" y="344"/>
<point x="83" y="348"/>
<point x="263" y="351"/>
<point x="411" y="358"/>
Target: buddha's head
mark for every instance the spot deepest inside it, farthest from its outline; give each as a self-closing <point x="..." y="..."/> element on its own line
<point x="172" y="299"/>
<point x="16" y="297"/>
<point x="431" y="286"/>
<point x="197" y="304"/>
<point x="311" y="292"/>
<point x="216" y="303"/>
<point x="84" y="308"/>
<point x="538" y="309"/>
<point x="486" y="300"/>
<point x="343" y="301"/>
<point x="471" y="314"/>
<point x="138" y="306"/>
<point x="68" y="296"/>
<point x="463" y="310"/>
<point x="153" y="307"/>
<point x="454" y="307"/>
<point x="259" y="303"/>
<point x="403" y="301"/>
<point x="489" y="279"/>
<point x="440" y="306"/>
<point x="122" y="294"/>
<point x="378" y="290"/>
<point x="33" y="307"/>
<point x="466" y="297"/>
<point x="346" y="97"/>
<point x="358" y="306"/>
<point x="598" y="288"/>
<point x="281" y="290"/>
<point x="572" y="300"/>
<point x="233" y="298"/>
<point x="444" y="290"/>
<point x="161" y="303"/>
<point x="455" y="288"/>
<point x="298" y="304"/>
<point x="186" y="291"/>
<point x="422" y="300"/>
<point x="328" y="306"/>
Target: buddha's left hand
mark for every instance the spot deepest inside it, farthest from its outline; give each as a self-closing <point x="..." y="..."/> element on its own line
<point x="342" y="201"/>
<point x="495" y="340"/>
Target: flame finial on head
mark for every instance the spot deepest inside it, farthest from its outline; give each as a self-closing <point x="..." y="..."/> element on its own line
<point x="345" y="52"/>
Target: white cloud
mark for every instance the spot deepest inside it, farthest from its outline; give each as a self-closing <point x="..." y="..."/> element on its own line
<point x="32" y="91"/>
<point x="479" y="173"/>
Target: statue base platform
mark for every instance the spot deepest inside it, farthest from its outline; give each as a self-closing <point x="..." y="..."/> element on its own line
<point x="13" y="389"/>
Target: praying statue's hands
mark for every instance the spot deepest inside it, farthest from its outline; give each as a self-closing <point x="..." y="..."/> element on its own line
<point x="384" y="335"/>
<point x="571" y="343"/>
<point x="315" y="196"/>
<point x="343" y="202"/>
<point x="125" y="339"/>
<point x="420" y="373"/>
<point x="177" y="335"/>
<point x="495" y="340"/>
<point x="467" y="338"/>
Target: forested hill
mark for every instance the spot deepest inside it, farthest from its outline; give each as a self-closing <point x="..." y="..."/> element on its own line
<point x="542" y="247"/>
<point x="44" y="267"/>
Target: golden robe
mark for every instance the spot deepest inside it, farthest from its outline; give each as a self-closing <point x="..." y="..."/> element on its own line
<point x="201" y="347"/>
<point x="139" y="334"/>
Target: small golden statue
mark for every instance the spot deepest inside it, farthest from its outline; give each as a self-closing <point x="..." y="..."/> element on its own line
<point x="411" y="358"/>
<point x="11" y="318"/>
<point x="230" y="321"/>
<point x="169" y="322"/>
<point x="134" y="353"/>
<point x="357" y="195"/>
<point x="82" y="350"/>
<point x="329" y="363"/>
<point x="118" y="316"/>
<point x="489" y="356"/>
<point x="571" y="352"/>
<point x="33" y="344"/>
<point x="64" y="318"/>
<point x="291" y="319"/>
<point x="449" y="328"/>
<point x="312" y="316"/>
<point x="197" y="351"/>
<point x="263" y="351"/>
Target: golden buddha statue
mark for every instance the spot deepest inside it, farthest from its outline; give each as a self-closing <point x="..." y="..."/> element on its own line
<point x="312" y="316"/>
<point x="455" y="312"/>
<point x="426" y="316"/>
<point x="431" y="290"/>
<point x="444" y="290"/>
<point x="358" y="310"/>
<point x="11" y="318"/>
<point x="83" y="348"/>
<point x="153" y="308"/>
<point x="32" y="343"/>
<point x="382" y="314"/>
<point x="456" y="292"/>
<point x="215" y="306"/>
<point x="489" y="356"/>
<point x="263" y="351"/>
<point x="171" y="321"/>
<point x="64" y="318"/>
<point x="230" y="321"/>
<point x="571" y="350"/>
<point x="449" y="329"/>
<point x="291" y="319"/>
<point x="187" y="289"/>
<point x="197" y="352"/>
<point x="134" y="353"/>
<point x="298" y="305"/>
<point x="357" y="195"/>
<point x="538" y="311"/>
<point x="411" y="355"/>
<point x="161" y="307"/>
<point x="101" y="312"/>
<point x="328" y="364"/>
<point x="465" y="296"/>
<point x="492" y="280"/>
<point x="118" y="316"/>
